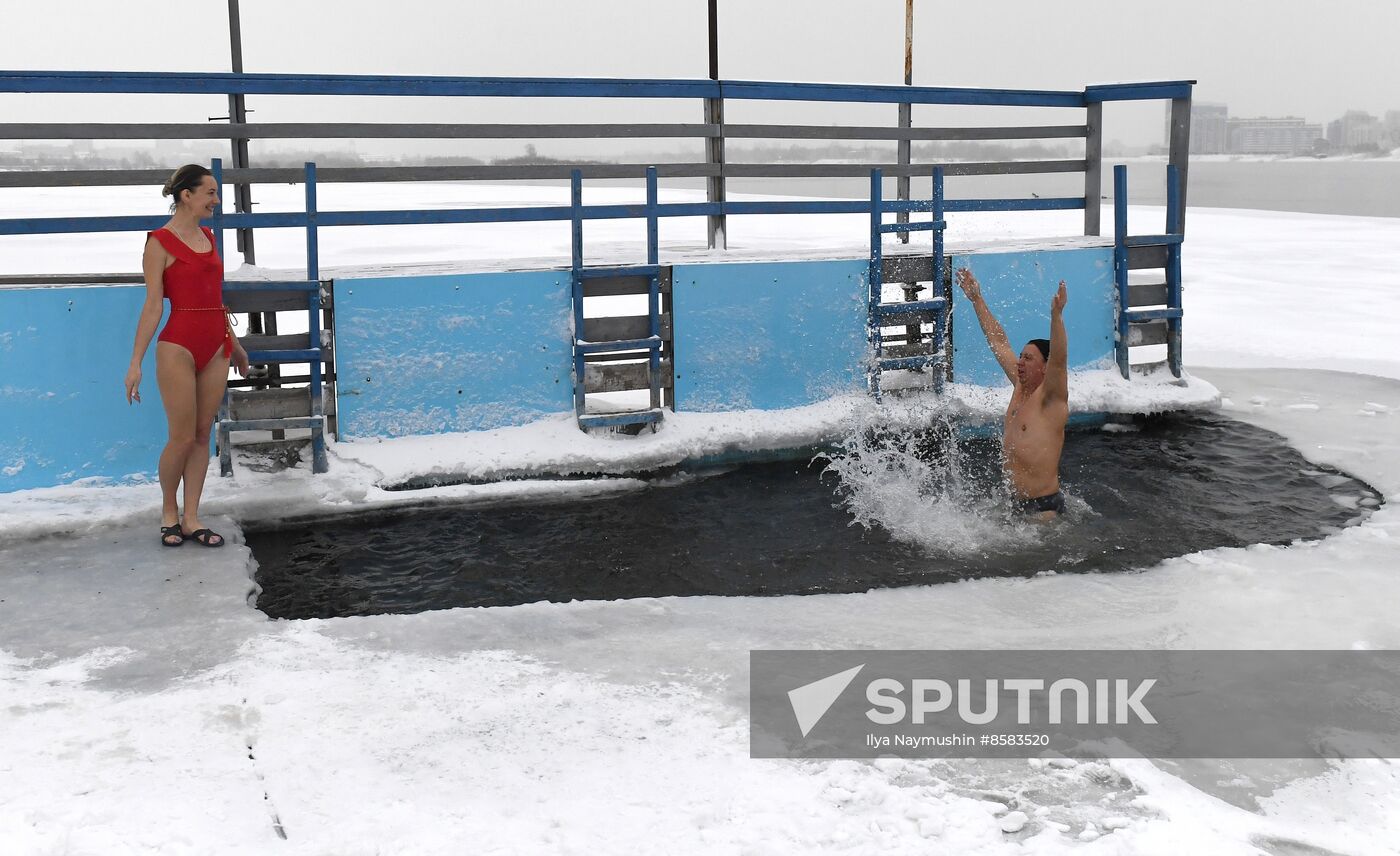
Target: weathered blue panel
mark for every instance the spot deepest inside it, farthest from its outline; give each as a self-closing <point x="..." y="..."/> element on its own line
<point x="63" y="411"/>
<point x="1018" y="287"/>
<point x="432" y="354"/>
<point x="768" y="335"/>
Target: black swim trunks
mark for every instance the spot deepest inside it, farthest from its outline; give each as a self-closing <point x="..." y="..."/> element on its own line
<point x="1054" y="502"/>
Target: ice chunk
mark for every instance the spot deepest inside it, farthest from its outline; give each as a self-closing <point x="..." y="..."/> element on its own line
<point x="1014" y="822"/>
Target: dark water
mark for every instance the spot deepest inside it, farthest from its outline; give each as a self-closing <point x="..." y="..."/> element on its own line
<point x="1178" y="485"/>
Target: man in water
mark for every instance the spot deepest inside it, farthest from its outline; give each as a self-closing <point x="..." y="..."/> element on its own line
<point x="1034" y="434"/>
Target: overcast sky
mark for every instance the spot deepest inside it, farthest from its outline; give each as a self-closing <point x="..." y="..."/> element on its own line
<point x="1262" y="58"/>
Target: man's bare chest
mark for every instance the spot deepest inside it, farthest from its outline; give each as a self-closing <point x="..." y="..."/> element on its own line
<point x="1026" y="423"/>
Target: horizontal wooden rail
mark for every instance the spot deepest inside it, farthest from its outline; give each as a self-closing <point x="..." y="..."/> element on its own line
<point x="892" y="170"/>
<point x="339" y="130"/>
<point x="880" y="132"/>
<point x="853" y="93"/>
<point x="530" y="214"/>
<point x="340" y="175"/>
<point x="519" y="172"/>
<point x="274" y="403"/>
<point x="385" y="131"/>
<point x="621" y="377"/>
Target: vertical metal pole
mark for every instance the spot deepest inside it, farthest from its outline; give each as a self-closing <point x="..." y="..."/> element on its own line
<point x="1093" y="169"/>
<point x="1173" y="199"/>
<point x="576" y="239"/>
<point x="258" y="322"/>
<point x="313" y="322"/>
<point x="876" y="279"/>
<point x="653" y="291"/>
<point x="714" y="146"/>
<point x="653" y="235"/>
<point x="238" y="115"/>
<point x="906" y="119"/>
<point x="221" y="436"/>
<point x="216" y="166"/>
<point x="1179" y="155"/>
<point x="1120" y="262"/>
<point x="944" y="366"/>
<point x="1173" y="270"/>
<point x="313" y="261"/>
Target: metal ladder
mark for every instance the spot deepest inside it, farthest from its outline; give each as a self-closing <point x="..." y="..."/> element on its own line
<point x="312" y="353"/>
<point x="1156" y="326"/>
<point x="652" y="343"/>
<point x="915" y="355"/>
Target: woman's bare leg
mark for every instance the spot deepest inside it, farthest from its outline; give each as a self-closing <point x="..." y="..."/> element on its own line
<point x="209" y="394"/>
<point x="176" y="378"/>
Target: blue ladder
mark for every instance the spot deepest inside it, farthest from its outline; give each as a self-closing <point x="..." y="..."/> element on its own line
<point x="1162" y="325"/>
<point x="912" y="313"/>
<point x="312" y="353"/>
<point x="652" y="343"/>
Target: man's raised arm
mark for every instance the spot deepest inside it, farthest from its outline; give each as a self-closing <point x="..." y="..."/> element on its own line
<point x="1057" y="367"/>
<point x="991" y="328"/>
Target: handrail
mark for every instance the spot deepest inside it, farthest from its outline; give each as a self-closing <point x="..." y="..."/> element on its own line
<point x="529" y="172"/>
<point x="715" y="169"/>
<point x="227" y="83"/>
<point x="388" y="131"/>
<point x="522" y="214"/>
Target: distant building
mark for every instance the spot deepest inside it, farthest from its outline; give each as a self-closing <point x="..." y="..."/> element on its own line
<point x="1209" y="128"/>
<point x="1266" y="135"/>
<point x="1392" y="127"/>
<point x="1213" y="132"/>
<point x="1357" y="129"/>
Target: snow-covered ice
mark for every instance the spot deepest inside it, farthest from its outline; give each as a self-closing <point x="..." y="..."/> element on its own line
<point x="146" y="707"/>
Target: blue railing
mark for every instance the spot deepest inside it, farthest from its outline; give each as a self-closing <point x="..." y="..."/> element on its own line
<point x="362" y="85"/>
<point x="136" y="82"/>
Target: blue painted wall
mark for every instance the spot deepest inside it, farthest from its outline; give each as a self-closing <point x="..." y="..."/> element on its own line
<point x="1018" y="287"/>
<point x="63" y="411"/>
<point x="432" y="354"/>
<point x="768" y="334"/>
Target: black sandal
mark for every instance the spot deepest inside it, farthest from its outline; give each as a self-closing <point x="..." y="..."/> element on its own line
<point x="175" y="530"/>
<point x="206" y="537"/>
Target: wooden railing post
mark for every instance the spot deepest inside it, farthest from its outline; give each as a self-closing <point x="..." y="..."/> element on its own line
<point x="1179" y="152"/>
<point x="906" y="118"/>
<point x="1093" y="167"/>
<point x="238" y="115"/>
<point x="716" y="226"/>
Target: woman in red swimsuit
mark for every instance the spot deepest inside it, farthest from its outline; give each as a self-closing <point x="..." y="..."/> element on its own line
<point x="194" y="349"/>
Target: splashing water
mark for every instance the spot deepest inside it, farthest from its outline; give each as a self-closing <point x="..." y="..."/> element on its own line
<point x="930" y="488"/>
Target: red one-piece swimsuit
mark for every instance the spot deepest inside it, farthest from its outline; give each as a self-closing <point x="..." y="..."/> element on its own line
<point x="194" y="284"/>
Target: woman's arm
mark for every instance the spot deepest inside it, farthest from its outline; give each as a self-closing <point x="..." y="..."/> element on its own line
<point x="153" y="262"/>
